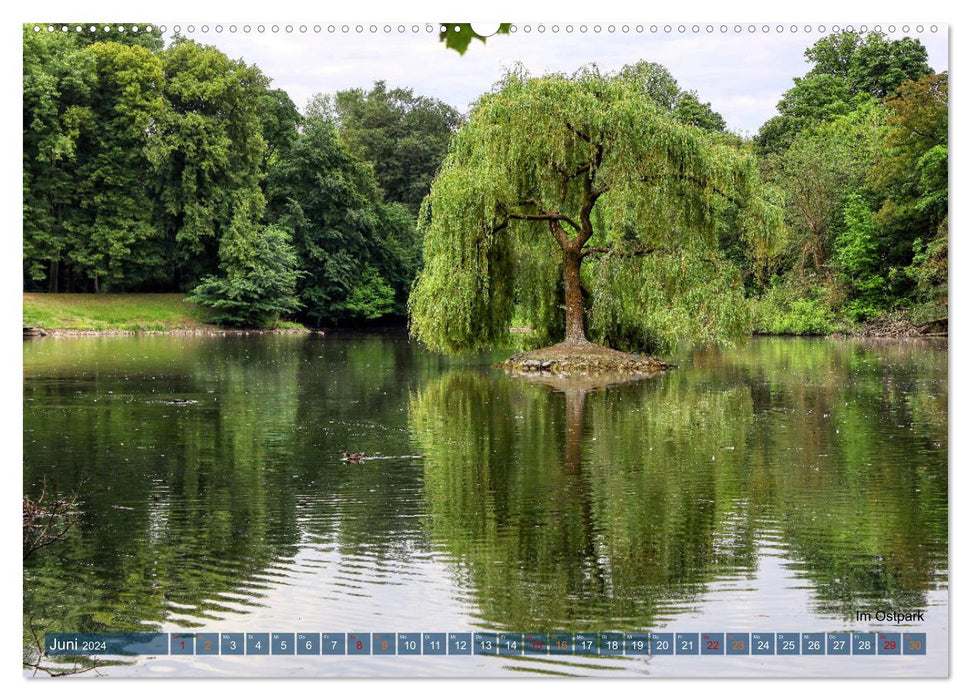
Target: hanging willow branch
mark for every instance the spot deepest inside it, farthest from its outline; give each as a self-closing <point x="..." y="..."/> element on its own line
<point x="564" y="183"/>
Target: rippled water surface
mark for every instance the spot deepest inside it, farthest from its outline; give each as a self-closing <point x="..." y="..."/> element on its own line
<point x="782" y="485"/>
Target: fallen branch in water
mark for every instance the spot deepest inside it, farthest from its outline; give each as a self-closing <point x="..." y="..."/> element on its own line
<point x="48" y="519"/>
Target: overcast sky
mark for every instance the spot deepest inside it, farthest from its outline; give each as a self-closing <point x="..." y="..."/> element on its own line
<point x="742" y="74"/>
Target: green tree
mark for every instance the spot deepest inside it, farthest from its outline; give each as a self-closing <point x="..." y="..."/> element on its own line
<point x="879" y="66"/>
<point x="90" y="112"/>
<point x="859" y="148"/>
<point x="859" y="261"/>
<point x="776" y="134"/>
<point x="691" y="110"/>
<point x="910" y="174"/>
<point x="149" y="168"/>
<point x="813" y="99"/>
<point x="817" y="171"/>
<point x="208" y="154"/>
<point x="359" y="254"/>
<point x="847" y="69"/>
<point x="656" y="83"/>
<point x="833" y="55"/>
<point x="57" y="84"/>
<point x="255" y="289"/>
<point x="653" y="81"/>
<point x="817" y="98"/>
<point x="561" y="178"/>
<point x="402" y="135"/>
<point x="113" y="203"/>
<point x="911" y="167"/>
<point x="279" y="120"/>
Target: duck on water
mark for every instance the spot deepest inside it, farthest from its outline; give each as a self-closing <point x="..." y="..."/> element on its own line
<point x="360" y="457"/>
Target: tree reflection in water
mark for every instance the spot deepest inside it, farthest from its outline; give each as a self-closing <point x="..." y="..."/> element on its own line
<point x="613" y="507"/>
<point x="600" y="508"/>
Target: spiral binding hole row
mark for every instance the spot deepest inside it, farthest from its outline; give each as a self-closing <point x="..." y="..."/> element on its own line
<point x="525" y="28"/>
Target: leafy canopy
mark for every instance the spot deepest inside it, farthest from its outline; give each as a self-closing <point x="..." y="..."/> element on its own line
<point x="823" y="165"/>
<point x="359" y="253"/>
<point x="847" y="70"/>
<point x="208" y="152"/>
<point x="159" y="168"/>
<point x="257" y="290"/>
<point x="911" y="177"/>
<point x="629" y="187"/>
<point x="402" y="135"/>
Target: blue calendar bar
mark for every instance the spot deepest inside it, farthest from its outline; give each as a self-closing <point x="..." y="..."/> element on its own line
<point x="131" y="644"/>
<point x="270" y="644"/>
<point x="763" y="643"/>
<point x="637" y="643"/>
<point x="511" y="643"/>
<point x="561" y="643"/>
<point x="183" y="644"/>
<point x="308" y="644"/>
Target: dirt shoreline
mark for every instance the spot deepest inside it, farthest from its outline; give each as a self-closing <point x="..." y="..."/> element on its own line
<point x="212" y="331"/>
<point x="898" y="328"/>
<point x="886" y="328"/>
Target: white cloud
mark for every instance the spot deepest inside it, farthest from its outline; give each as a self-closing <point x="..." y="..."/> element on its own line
<point x="742" y="74"/>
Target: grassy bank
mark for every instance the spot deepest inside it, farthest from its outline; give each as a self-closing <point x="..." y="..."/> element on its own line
<point x="111" y="312"/>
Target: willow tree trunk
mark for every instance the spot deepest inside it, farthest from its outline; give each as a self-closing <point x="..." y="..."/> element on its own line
<point x="573" y="296"/>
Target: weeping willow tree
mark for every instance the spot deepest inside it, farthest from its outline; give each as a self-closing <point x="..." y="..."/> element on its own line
<point x="587" y="189"/>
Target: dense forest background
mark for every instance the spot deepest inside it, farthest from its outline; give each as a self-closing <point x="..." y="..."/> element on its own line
<point x="153" y="168"/>
<point x="859" y="151"/>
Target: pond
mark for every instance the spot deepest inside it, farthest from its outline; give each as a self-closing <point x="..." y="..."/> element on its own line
<point x="783" y="485"/>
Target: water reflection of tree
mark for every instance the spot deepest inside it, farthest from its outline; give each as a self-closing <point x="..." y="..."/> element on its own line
<point x="838" y="450"/>
<point x="614" y="506"/>
<point x="352" y="395"/>
<point x="183" y="513"/>
<point x="860" y="433"/>
<point x="544" y="498"/>
<point x="193" y="511"/>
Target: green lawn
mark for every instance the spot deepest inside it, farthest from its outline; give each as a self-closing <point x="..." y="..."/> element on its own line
<point x="105" y="312"/>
